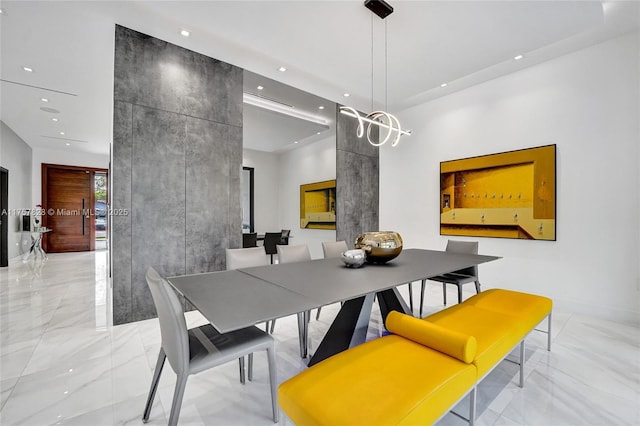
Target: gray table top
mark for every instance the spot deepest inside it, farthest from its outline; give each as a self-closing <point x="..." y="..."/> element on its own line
<point x="329" y="281"/>
<point x="235" y="299"/>
<point x="232" y="300"/>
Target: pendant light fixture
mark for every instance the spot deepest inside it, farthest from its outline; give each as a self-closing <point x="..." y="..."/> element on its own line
<point x="381" y="119"/>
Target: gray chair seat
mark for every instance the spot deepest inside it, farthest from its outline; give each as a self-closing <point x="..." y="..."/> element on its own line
<point x="208" y="348"/>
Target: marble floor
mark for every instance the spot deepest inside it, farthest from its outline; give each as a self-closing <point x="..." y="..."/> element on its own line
<point x="62" y="362"/>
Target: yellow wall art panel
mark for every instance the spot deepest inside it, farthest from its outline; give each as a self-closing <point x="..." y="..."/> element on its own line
<point x="505" y="195"/>
<point x="318" y="205"/>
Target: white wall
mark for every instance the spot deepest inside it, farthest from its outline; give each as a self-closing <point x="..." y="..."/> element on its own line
<point x="15" y="156"/>
<point x="308" y="164"/>
<point x="62" y="157"/>
<point x="265" y="181"/>
<point x="587" y="103"/>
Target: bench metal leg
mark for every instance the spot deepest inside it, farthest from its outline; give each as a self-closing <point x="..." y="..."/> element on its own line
<point x="472" y="406"/>
<point x="549" y="332"/>
<point x="521" y="384"/>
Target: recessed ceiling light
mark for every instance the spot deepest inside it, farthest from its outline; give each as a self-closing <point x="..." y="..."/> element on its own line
<point x="282" y="69"/>
<point x="443" y="85"/>
<point x="185" y="33"/>
<point x="54" y="119"/>
<point x="295" y="141"/>
<point x="321" y="107"/>
<point x="27" y="69"/>
<point x="67" y="144"/>
<point x="346" y="95"/>
<point x="62" y="133"/>
<point x="44" y="99"/>
<point x="317" y="133"/>
<point x="1" y="11"/>
<point x="517" y="58"/>
<point x="260" y="87"/>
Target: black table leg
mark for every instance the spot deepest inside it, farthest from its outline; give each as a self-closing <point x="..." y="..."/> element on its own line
<point x="348" y="329"/>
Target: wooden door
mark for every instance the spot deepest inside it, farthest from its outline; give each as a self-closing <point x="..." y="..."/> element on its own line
<point x="68" y="202"/>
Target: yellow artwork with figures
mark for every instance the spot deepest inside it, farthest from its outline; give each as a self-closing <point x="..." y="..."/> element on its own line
<point x="318" y="205"/>
<point x="506" y="195"/>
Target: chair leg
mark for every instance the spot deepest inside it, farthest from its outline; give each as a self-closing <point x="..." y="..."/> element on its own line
<point x="178" y="394"/>
<point x="303" y="332"/>
<point x="444" y="293"/>
<point x="318" y="313"/>
<point x="250" y="367"/>
<point x="459" y="293"/>
<point x="241" y="365"/>
<point x="423" y="285"/>
<point x="410" y="297"/>
<point x="273" y="382"/>
<point x="154" y="385"/>
<point x="478" y="287"/>
<point x="273" y="326"/>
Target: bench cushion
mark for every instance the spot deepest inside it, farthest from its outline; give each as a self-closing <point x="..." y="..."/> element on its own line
<point x="530" y="308"/>
<point x="449" y="342"/>
<point x="496" y="333"/>
<point x="386" y="381"/>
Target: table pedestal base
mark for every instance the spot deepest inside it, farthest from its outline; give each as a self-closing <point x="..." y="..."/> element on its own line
<point x="349" y="328"/>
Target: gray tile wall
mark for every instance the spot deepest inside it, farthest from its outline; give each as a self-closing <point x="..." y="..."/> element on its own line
<point x="357" y="181"/>
<point x="177" y="157"/>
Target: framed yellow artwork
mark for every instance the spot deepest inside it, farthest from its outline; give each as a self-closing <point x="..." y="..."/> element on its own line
<point x="505" y="195"/>
<point x="318" y="205"/>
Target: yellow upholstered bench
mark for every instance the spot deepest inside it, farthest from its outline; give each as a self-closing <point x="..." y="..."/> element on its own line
<point x="393" y="380"/>
<point x="417" y="374"/>
<point x="499" y="320"/>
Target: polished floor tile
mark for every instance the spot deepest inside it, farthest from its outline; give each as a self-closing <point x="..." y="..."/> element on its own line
<point x="63" y="362"/>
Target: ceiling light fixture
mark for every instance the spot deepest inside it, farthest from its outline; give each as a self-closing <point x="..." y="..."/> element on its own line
<point x="443" y="85"/>
<point x="261" y="102"/>
<point x="62" y="133"/>
<point x="185" y="33"/>
<point x="321" y="107"/>
<point x="380" y="119"/>
<point x="517" y="58"/>
<point x="54" y="119"/>
<point x="346" y="95"/>
<point x="282" y="69"/>
<point x="27" y="69"/>
<point x="44" y="99"/>
<point x="67" y="144"/>
<point x="260" y="87"/>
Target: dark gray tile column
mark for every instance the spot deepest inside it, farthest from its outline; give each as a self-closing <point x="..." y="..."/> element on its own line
<point x="357" y="182"/>
<point x="121" y="204"/>
<point x="177" y="158"/>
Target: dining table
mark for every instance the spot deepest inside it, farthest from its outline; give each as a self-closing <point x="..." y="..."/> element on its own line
<point x="234" y="299"/>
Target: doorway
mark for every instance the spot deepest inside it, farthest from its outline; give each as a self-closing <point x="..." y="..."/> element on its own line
<point x="4" y="217"/>
<point x="246" y="184"/>
<point x="101" y="224"/>
<point x="69" y="198"/>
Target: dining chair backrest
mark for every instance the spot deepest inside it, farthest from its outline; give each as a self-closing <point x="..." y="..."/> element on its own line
<point x="249" y="239"/>
<point x="284" y="236"/>
<point x="293" y="253"/>
<point x="333" y="248"/>
<point x="246" y="257"/>
<point x="467" y="247"/>
<point x="271" y="239"/>
<point x="173" y="327"/>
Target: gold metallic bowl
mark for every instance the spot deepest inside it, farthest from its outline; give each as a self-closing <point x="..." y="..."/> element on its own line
<point x="380" y="246"/>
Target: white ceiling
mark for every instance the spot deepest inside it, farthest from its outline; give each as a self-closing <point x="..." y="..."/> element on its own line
<point x="326" y="46"/>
